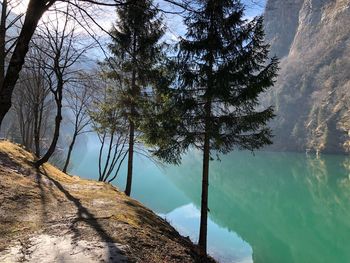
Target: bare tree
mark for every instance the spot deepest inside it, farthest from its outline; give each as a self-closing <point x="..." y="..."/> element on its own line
<point x="78" y="100"/>
<point x="113" y="143"/>
<point x="32" y="109"/>
<point x="31" y="105"/>
<point x="40" y="104"/>
<point x="8" y="39"/>
<point x="62" y="53"/>
<point x="111" y="126"/>
<point x="35" y="10"/>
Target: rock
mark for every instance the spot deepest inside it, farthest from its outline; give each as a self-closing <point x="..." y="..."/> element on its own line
<point x="312" y="92"/>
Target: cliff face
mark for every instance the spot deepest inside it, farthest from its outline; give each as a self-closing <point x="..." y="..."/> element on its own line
<point x="312" y="93"/>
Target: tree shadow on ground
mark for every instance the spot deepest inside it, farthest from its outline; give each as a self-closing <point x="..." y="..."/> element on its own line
<point x="84" y="215"/>
<point x="43" y="198"/>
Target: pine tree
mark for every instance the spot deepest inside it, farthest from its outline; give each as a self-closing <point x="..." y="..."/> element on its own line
<point x="223" y="69"/>
<point x="136" y="53"/>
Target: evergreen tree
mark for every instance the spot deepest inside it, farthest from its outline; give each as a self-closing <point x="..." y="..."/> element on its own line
<point x="136" y="54"/>
<point x="223" y="69"/>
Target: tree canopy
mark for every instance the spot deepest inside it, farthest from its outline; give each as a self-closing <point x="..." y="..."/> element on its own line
<point x="223" y="67"/>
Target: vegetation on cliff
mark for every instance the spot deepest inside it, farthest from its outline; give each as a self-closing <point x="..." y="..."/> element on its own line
<point x="312" y="93"/>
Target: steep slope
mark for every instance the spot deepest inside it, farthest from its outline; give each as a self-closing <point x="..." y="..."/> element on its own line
<point x="312" y="93"/>
<point x="48" y="216"/>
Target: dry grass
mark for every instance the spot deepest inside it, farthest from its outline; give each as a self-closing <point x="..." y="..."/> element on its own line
<point x="48" y="201"/>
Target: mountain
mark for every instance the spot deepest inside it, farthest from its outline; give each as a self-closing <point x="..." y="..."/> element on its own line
<point x="312" y="92"/>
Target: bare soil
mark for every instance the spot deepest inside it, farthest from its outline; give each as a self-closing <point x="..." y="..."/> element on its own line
<point x="48" y="216"/>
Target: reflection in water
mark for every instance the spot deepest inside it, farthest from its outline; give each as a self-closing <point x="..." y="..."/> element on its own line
<point x="224" y="245"/>
<point x="286" y="207"/>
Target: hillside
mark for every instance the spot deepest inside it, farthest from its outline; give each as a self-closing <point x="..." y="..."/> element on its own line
<point x="312" y="93"/>
<point x="48" y="216"/>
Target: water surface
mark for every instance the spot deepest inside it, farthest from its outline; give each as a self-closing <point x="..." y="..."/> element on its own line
<point x="264" y="208"/>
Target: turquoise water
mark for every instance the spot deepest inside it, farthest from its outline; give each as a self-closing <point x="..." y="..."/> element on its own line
<point x="264" y="208"/>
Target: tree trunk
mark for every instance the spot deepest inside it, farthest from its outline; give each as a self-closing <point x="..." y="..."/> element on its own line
<point x="202" y="243"/>
<point x="130" y="159"/>
<point x="58" y="120"/>
<point x="35" y="10"/>
<point x="132" y="131"/>
<point x="37" y="144"/>
<point x="110" y="148"/>
<point x="69" y="152"/>
<point x="36" y="130"/>
<point x="2" y="40"/>
<point x="29" y="134"/>
<point x="100" y="156"/>
<point x="204" y="203"/>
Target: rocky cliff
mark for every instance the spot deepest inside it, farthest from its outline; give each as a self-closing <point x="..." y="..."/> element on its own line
<point x="312" y="92"/>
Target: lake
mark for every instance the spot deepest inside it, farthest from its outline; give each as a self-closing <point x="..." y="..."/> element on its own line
<point x="264" y="208"/>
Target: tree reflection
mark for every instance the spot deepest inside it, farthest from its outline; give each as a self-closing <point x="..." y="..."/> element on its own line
<point x="288" y="207"/>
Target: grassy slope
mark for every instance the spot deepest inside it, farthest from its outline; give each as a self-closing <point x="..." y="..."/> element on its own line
<point x="50" y="202"/>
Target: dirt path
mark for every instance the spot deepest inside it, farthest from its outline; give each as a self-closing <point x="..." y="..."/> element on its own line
<point x="46" y="249"/>
<point x="47" y="216"/>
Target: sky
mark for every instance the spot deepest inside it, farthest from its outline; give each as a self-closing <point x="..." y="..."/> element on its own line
<point x="21" y="6"/>
<point x="175" y="25"/>
<point x="173" y="22"/>
<point x="105" y="17"/>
